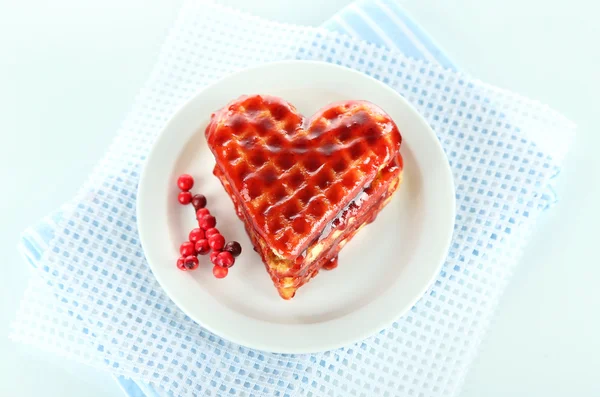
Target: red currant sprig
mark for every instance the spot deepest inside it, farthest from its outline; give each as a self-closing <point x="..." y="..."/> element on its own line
<point x="206" y="238"/>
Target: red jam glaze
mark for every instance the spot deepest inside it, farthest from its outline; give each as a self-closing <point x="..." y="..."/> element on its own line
<point x="349" y="220"/>
<point x="290" y="176"/>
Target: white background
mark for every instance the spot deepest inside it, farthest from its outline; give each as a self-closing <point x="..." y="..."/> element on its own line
<point x="70" y="69"/>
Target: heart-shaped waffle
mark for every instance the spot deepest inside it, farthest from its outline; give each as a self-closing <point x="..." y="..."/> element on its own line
<point x="304" y="187"/>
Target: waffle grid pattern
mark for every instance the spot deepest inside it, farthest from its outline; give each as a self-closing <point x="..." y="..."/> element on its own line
<point x="96" y="301"/>
<point x="293" y="178"/>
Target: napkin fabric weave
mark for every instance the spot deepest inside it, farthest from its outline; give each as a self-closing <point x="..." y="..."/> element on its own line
<point x="94" y="299"/>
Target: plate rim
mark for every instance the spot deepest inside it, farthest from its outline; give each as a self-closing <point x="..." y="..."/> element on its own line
<point x="316" y="346"/>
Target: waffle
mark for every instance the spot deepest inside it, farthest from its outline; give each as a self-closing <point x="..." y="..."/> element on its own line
<point x="304" y="188"/>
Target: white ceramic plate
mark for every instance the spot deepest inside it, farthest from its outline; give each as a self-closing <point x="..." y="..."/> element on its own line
<point x="382" y="271"/>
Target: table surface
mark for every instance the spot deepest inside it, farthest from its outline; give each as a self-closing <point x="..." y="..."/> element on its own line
<point x="69" y="71"/>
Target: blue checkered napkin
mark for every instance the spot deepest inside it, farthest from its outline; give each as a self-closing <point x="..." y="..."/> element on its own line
<point x="503" y="162"/>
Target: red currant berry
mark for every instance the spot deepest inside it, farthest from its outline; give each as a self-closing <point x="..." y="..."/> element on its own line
<point x="225" y="259"/>
<point x="201" y="213"/>
<point x="191" y="262"/>
<point x="196" y="234"/>
<point x="181" y="263"/>
<point x="185" y="182"/>
<point x="199" y="201"/>
<point x="187" y="249"/>
<point x="213" y="257"/>
<point x="234" y="247"/>
<point x="184" y="197"/>
<point x="216" y="242"/>
<point x="220" y="272"/>
<point x="212" y="231"/>
<point x="207" y="222"/>
<point x="202" y="247"/>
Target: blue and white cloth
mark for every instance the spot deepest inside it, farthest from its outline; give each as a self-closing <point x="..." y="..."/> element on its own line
<point x="90" y="261"/>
